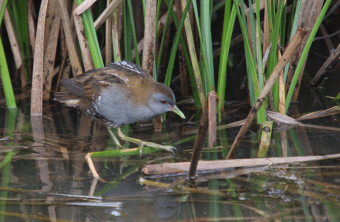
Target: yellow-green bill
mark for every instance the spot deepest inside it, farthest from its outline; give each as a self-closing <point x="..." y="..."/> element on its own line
<point x="178" y="112"/>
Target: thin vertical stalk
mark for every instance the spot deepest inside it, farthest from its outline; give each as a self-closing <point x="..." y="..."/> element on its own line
<point x="207" y="73"/>
<point x="108" y="38"/>
<point x="127" y="34"/>
<point x="305" y="52"/>
<point x="92" y="37"/>
<point x="252" y="75"/>
<point x="207" y="42"/>
<point x="253" y="31"/>
<point x="155" y="70"/>
<point x="115" y="36"/>
<point x="259" y="46"/>
<point x="272" y="61"/>
<point x="19" y="16"/>
<point x="144" y="6"/>
<point x="228" y="26"/>
<point x="158" y="63"/>
<point x="168" y="75"/>
<point x="37" y="80"/>
<point x="192" y="53"/>
<point x="292" y="32"/>
<point x="187" y="59"/>
<point x="132" y="23"/>
<point x="6" y="79"/>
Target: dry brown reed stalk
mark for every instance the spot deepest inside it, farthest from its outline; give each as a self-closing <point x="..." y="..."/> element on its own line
<point x="267" y="129"/>
<point x="169" y="168"/>
<point x="332" y="60"/>
<point x="300" y="33"/>
<point x="207" y="123"/>
<point x="71" y="45"/>
<point x="149" y="51"/>
<point x="38" y="65"/>
<point x="117" y="28"/>
<point x="266" y="39"/>
<point x="51" y="12"/>
<point x="307" y="18"/>
<point x="84" y="6"/>
<point x="31" y="26"/>
<point x="13" y="40"/>
<point x="51" y="50"/>
<point x="328" y="41"/>
<point x="108" y="38"/>
<point x="83" y="43"/>
<point x="199" y="142"/>
<point x="15" y="49"/>
<point x="160" y="27"/>
<point x="282" y="91"/>
<point x="106" y="13"/>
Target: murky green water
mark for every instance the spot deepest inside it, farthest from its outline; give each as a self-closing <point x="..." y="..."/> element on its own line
<point x="45" y="176"/>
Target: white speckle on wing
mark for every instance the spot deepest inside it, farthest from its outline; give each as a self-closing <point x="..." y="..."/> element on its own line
<point x="105" y="83"/>
<point x="129" y="66"/>
<point x="119" y="77"/>
<point x="72" y="102"/>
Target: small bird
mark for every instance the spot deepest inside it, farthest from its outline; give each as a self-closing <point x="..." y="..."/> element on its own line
<point x="120" y="93"/>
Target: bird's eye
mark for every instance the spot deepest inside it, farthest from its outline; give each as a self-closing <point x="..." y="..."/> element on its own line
<point x="163" y="101"/>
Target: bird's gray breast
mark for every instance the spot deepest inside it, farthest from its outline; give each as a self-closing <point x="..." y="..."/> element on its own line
<point x="119" y="108"/>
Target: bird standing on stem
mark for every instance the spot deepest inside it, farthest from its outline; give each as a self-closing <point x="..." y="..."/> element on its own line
<point x="120" y="93"/>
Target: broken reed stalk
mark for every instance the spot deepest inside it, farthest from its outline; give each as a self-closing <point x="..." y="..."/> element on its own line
<point x="207" y="122"/>
<point x="106" y="13"/>
<point x="199" y="142"/>
<point x="300" y="33"/>
<point x="84" y="6"/>
<point x="326" y="67"/>
<point x="71" y="44"/>
<point x="50" y="55"/>
<point x="267" y="130"/>
<point x="83" y="43"/>
<point x="38" y="65"/>
<point x="170" y="168"/>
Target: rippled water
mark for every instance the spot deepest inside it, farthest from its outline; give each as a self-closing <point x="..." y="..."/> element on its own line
<point x="45" y="176"/>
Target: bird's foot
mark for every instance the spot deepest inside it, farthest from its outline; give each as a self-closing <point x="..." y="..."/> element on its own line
<point x="155" y="145"/>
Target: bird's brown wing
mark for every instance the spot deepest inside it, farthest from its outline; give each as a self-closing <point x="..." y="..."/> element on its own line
<point x="73" y="87"/>
<point x="122" y="74"/>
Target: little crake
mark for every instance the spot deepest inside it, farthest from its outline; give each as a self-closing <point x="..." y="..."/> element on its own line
<point x="120" y="93"/>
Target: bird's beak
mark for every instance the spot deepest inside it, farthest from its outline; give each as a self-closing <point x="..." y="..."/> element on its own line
<point x="178" y="112"/>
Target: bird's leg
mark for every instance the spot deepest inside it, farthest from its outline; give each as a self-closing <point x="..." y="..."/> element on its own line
<point x="114" y="138"/>
<point x="142" y="143"/>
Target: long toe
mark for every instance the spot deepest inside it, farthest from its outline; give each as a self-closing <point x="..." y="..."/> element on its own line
<point x="158" y="146"/>
<point x="170" y="148"/>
